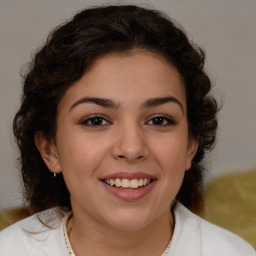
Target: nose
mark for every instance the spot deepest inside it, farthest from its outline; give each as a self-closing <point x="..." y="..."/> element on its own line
<point x="130" y="144"/>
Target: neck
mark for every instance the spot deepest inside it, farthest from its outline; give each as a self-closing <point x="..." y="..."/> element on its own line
<point x="97" y="239"/>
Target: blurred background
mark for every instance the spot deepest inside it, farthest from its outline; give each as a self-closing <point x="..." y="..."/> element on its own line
<point x="226" y="29"/>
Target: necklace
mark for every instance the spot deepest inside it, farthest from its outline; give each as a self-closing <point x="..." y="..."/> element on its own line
<point x="167" y="249"/>
<point x="65" y="220"/>
<point x="69" y="247"/>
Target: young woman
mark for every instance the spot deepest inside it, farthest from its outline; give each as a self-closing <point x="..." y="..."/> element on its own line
<point x="115" y="120"/>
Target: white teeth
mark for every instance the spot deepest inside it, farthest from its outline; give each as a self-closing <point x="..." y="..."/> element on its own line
<point x="118" y="182"/>
<point x="125" y="183"/>
<point x="134" y="183"/>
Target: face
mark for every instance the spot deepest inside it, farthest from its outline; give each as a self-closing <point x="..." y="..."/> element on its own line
<point x="122" y="140"/>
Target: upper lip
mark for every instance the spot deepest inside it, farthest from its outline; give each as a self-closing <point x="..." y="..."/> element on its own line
<point x="128" y="175"/>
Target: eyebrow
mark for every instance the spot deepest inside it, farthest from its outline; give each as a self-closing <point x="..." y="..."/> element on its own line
<point x="153" y="102"/>
<point x="107" y="103"/>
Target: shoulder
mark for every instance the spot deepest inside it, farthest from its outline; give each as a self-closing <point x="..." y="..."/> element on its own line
<point x="204" y="238"/>
<point x="33" y="235"/>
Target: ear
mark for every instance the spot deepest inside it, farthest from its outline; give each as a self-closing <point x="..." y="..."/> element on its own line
<point x="191" y="151"/>
<point x="48" y="151"/>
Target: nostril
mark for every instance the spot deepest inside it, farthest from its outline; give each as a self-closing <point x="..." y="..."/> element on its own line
<point x="122" y="157"/>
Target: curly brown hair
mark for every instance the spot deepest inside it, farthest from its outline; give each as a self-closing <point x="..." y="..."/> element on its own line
<point x="70" y="50"/>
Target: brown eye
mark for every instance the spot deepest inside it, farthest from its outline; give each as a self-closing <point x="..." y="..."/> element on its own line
<point x="95" y="121"/>
<point x="158" y="121"/>
<point x="161" y="121"/>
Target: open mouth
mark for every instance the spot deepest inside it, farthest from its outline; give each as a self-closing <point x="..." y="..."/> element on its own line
<point x="127" y="184"/>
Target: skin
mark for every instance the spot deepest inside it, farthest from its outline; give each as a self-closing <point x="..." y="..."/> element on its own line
<point x="128" y="139"/>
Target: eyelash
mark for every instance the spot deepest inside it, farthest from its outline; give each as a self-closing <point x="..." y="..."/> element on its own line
<point x="94" y="118"/>
<point x="164" y="121"/>
<point x="168" y="121"/>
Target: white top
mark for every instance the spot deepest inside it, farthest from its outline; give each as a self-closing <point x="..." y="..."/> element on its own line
<point x="192" y="236"/>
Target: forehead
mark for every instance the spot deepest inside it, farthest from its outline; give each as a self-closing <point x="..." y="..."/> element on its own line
<point x="136" y="76"/>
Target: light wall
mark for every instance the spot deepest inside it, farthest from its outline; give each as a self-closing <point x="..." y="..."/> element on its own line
<point x="225" y="28"/>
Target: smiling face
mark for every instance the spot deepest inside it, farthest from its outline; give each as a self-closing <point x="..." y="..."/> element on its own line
<point x="122" y="140"/>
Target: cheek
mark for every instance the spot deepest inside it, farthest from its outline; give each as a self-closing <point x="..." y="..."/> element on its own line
<point x="80" y="155"/>
<point x="79" y="160"/>
<point x="171" y="153"/>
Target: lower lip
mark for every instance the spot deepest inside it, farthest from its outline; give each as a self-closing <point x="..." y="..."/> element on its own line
<point x="129" y="195"/>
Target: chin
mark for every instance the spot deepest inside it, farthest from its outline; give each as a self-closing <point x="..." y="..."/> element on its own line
<point x="129" y="226"/>
<point x="130" y="220"/>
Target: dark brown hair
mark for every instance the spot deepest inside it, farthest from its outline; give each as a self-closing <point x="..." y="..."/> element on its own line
<point x="71" y="49"/>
